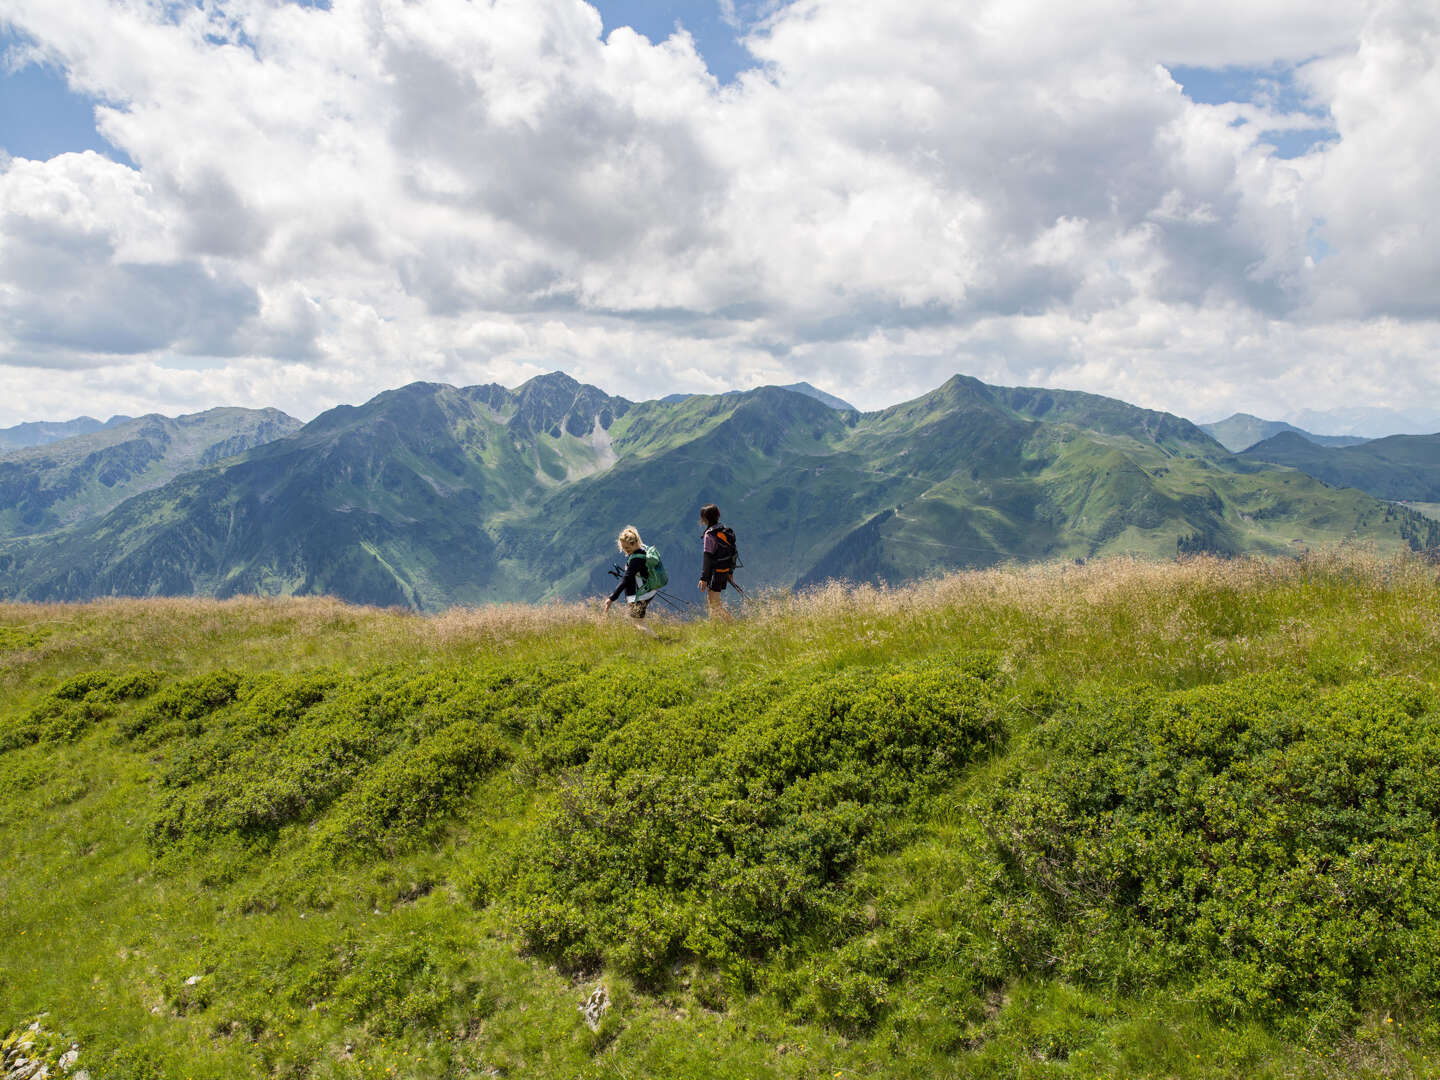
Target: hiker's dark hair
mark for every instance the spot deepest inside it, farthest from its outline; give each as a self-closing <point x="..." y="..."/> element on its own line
<point x="710" y="514"/>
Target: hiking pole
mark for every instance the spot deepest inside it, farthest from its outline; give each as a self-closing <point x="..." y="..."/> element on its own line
<point x="672" y="601"/>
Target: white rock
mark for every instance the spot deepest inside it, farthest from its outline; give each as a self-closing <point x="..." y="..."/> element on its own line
<point x="595" y="1007"/>
<point x="68" y="1059"/>
<point x="193" y="979"/>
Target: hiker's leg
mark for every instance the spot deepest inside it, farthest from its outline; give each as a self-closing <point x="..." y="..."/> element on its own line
<point x="637" y="616"/>
<point x="717" y="609"/>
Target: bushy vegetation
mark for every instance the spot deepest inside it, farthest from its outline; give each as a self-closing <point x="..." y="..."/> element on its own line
<point x="1120" y="819"/>
<point x="1266" y="843"/>
<point x="70" y="710"/>
<point x="727" y="831"/>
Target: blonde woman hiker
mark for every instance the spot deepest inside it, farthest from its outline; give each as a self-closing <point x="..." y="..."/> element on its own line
<point x="644" y="576"/>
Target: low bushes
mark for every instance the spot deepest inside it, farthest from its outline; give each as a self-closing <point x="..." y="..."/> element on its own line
<point x="390" y="807"/>
<point x="743" y="850"/>
<point x="179" y="710"/>
<point x="76" y="705"/>
<point x="388" y="750"/>
<point x="1271" y="844"/>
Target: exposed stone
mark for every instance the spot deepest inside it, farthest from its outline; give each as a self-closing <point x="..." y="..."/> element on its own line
<point x="193" y="979"/>
<point x="595" y="1007"/>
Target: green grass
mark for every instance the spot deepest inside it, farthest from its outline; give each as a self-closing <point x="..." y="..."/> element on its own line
<point x="1140" y="819"/>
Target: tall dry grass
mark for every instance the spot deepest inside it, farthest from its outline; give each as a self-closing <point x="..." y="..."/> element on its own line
<point x="1072" y="589"/>
<point x="1124" y="618"/>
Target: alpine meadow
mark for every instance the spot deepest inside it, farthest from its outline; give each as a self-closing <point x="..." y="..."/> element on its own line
<point x="1130" y="818"/>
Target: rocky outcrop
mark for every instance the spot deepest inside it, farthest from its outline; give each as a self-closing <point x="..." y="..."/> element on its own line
<point x="34" y="1052"/>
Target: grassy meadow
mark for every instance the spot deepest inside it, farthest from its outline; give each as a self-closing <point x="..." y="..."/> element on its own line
<point x="1124" y="818"/>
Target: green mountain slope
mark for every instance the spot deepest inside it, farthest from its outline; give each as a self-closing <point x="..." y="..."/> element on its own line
<point x="400" y="501"/>
<point x="1396" y="467"/>
<point x="430" y="496"/>
<point x="1241" y="431"/>
<point x="84" y="476"/>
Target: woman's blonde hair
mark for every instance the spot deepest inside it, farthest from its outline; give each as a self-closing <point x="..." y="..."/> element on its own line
<point x="629" y="539"/>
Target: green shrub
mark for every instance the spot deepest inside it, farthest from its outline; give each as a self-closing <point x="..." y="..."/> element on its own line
<point x="289" y="747"/>
<point x="15" y="638"/>
<point x="399" y="796"/>
<point x="1269" y="842"/>
<point x="725" y="834"/>
<point x="181" y="706"/>
<point x="76" y="705"/>
<point x="573" y="714"/>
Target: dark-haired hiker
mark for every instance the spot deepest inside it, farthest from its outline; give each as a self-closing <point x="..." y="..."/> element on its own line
<point x="717" y="561"/>
<point x="633" y="583"/>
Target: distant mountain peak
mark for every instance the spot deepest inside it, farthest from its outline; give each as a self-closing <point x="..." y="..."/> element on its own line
<point x="804" y="388"/>
<point x="555" y="402"/>
<point x="1243" y="430"/>
<point x="557" y="379"/>
<point x="821" y="396"/>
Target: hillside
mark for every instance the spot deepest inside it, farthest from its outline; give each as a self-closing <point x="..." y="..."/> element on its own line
<point x="1242" y="431"/>
<point x="75" y="479"/>
<point x="1398" y="467"/>
<point x="429" y="496"/>
<point x="1126" y="819"/>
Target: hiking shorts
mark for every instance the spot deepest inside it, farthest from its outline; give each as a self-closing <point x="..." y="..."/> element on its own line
<point x="636" y="606"/>
<point x="718" y="582"/>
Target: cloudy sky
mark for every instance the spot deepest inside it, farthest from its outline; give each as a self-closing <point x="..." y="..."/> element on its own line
<point x="1202" y="207"/>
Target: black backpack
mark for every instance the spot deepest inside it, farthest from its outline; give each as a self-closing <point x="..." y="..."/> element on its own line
<point x="727" y="555"/>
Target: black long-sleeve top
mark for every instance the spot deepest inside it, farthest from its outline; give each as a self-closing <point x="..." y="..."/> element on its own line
<point x="634" y="570"/>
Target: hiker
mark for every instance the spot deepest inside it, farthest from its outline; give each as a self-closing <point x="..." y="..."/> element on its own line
<point x="717" y="565"/>
<point x="635" y="583"/>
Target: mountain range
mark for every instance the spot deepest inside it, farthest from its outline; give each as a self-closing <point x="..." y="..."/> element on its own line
<point x="1368" y="422"/>
<point x="40" y="432"/>
<point x="76" y="479"/>
<point x="1397" y="467"/>
<point x="433" y="495"/>
<point x="1242" y="431"/>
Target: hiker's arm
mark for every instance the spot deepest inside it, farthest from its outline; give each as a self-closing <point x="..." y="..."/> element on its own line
<point x="628" y="579"/>
<point x="707" y="561"/>
<point x="627" y="583"/>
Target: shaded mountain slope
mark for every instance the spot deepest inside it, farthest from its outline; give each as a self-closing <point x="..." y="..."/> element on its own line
<point x="384" y="503"/>
<point x="1397" y="467"/>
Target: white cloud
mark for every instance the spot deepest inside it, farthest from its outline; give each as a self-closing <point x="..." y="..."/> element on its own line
<point x="329" y="202"/>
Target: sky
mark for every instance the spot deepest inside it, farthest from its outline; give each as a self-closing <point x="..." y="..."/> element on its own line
<point x="1203" y="208"/>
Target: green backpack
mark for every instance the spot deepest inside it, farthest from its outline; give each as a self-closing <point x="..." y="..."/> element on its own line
<point x="655" y="575"/>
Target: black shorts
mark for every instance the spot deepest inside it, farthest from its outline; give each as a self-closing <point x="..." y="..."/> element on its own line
<point x="718" y="582"/>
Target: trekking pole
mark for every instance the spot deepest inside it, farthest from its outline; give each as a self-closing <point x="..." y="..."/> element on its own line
<point x="672" y="601"/>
